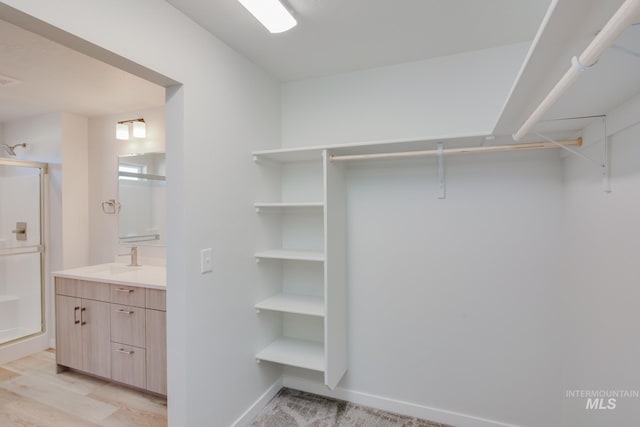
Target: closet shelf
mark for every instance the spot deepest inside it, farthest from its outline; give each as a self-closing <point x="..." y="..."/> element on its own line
<point x="285" y="206"/>
<point x="291" y="155"/>
<point x="293" y="255"/>
<point x="294" y="352"/>
<point x="296" y="304"/>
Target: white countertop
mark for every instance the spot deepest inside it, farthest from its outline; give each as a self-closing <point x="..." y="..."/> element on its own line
<point x="146" y="276"/>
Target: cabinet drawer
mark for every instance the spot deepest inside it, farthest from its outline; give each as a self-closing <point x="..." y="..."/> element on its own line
<point x="156" y="299"/>
<point x="66" y="287"/>
<point x="127" y="295"/>
<point x="128" y="325"/>
<point x="83" y="289"/>
<point x="128" y="365"/>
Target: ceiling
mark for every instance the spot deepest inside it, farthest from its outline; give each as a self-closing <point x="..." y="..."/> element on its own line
<point x="335" y="36"/>
<point x="54" y="78"/>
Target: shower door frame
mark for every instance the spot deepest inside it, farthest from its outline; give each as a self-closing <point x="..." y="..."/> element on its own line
<point x="44" y="170"/>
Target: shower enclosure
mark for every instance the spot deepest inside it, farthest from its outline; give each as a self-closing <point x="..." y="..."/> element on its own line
<point x="21" y="249"/>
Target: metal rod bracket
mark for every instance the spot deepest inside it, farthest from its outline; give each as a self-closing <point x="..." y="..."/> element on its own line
<point x="442" y="190"/>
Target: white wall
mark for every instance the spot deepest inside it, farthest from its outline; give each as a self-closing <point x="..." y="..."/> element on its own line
<point x="104" y="150"/>
<point x="75" y="190"/>
<point x="451" y="95"/>
<point x="226" y="108"/>
<point x="602" y="315"/>
<point x="446" y="295"/>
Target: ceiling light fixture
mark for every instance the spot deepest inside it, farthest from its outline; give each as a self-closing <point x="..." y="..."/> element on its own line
<point x="139" y="129"/>
<point x="271" y="13"/>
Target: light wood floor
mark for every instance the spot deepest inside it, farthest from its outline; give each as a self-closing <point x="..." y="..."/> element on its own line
<point x="33" y="395"/>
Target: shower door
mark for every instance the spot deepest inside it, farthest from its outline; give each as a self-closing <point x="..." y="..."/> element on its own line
<point x="21" y="249"/>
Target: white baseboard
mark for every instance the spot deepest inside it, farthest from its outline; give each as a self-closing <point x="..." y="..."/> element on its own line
<point x="23" y="348"/>
<point x="391" y="405"/>
<point x="248" y="415"/>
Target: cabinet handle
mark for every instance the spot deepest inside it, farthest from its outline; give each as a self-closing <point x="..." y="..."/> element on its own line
<point x="123" y="351"/>
<point x="122" y="311"/>
<point x="124" y="290"/>
<point x="82" y="310"/>
<point x="75" y="315"/>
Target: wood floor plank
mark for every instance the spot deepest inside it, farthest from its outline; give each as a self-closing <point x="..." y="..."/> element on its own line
<point x="131" y="400"/>
<point x="68" y="380"/>
<point x="6" y="374"/>
<point x="32" y="394"/>
<point x="7" y="397"/>
<point x="29" y="412"/>
<point x="56" y="397"/>
<point x="127" y="417"/>
<point x="30" y="364"/>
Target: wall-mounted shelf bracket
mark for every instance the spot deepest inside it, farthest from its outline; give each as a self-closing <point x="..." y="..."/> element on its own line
<point x="257" y="311"/>
<point x="603" y="165"/>
<point x="257" y="260"/>
<point x="606" y="169"/>
<point x="442" y="185"/>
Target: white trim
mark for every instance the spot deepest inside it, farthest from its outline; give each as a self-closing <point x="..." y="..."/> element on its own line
<point x="248" y="415"/>
<point x="392" y="405"/>
<point x="22" y="348"/>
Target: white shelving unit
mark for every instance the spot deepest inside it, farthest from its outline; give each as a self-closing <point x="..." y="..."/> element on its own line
<point x="295" y="352"/>
<point x="303" y="219"/>
<point x="296" y="304"/>
<point x="290" y="206"/>
<point x="291" y="255"/>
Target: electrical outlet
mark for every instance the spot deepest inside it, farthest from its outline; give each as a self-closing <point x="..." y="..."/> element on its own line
<point x="206" y="260"/>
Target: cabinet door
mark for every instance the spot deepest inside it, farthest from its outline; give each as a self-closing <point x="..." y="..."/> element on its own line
<point x="96" y="339"/>
<point x="156" y="351"/>
<point x="68" y="332"/>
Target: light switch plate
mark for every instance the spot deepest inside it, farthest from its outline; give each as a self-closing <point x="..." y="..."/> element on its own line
<point x="206" y="260"/>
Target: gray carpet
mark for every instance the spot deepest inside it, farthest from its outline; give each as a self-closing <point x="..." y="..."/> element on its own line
<point x="292" y="408"/>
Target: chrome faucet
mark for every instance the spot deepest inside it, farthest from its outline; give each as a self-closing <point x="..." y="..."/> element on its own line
<point x="134" y="257"/>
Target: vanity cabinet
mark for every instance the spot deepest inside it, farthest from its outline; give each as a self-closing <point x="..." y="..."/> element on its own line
<point x="113" y="331"/>
<point x="82" y="311"/>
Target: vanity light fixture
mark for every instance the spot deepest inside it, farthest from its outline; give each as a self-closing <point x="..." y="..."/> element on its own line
<point x="139" y="129"/>
<point x="122" y="131"/>
<point x="271" y="13"/>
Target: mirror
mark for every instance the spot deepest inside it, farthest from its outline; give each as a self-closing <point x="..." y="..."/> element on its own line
<point x="142" y="196"/>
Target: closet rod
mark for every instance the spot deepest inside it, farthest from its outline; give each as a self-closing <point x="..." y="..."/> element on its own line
<point x="626" y="15"/>
<point x="467" y="150"/>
